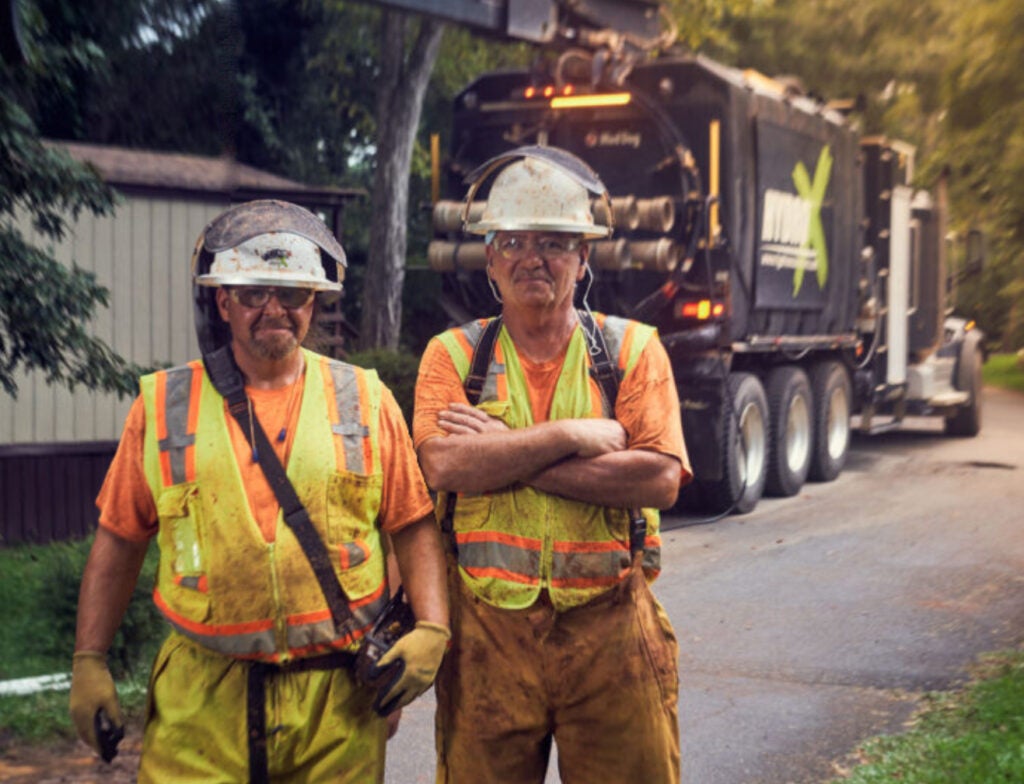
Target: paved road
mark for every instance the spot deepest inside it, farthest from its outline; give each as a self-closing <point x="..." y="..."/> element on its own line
<point x="818" y="620"/>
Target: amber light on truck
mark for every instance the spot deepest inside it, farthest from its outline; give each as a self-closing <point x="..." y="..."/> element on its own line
<point x="701" y="309"/>
<point x="584" y="101"/>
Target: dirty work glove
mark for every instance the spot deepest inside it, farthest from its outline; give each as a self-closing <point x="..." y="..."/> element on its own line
<point x="92" y="690"/>
<point x="410" y="666"/>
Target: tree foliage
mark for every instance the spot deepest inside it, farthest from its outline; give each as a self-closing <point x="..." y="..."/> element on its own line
<point x="938" y="74"/>
<point x="45" y="307"/>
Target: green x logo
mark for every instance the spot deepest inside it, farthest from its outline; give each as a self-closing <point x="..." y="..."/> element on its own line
<point x="814" y="193"/>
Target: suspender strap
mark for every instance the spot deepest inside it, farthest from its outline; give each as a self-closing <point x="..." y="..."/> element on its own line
<point x="606" y="372"/>
<point x="220" y="365"/>
<point x="474" y="385"/>
<point x="603" y="368"/>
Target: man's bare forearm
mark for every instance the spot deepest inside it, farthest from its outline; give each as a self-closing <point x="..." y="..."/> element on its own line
<point x="629" y="478"/>
<point x="481" y="453"/>
<point x="482" y="462"/>
<point x="107" y="585"/>
<point x="421" y="566"/>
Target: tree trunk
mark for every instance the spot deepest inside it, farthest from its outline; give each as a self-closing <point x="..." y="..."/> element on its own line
<point x="405" y="72"/>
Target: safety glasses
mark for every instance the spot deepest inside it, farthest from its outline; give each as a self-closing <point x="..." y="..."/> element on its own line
<point x="258" y="296"/>
<point x="548" y="246"/>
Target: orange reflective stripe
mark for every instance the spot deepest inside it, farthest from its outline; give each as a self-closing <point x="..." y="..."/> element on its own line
<point x="161" y="428"/>
<point x="501" y="574"/>
<point x="193" y="419"/>
<point x="522" y="542"/>
<point x="612" y="545"/>
<point x="588" y="582"/>
<point x="364" y="411"/>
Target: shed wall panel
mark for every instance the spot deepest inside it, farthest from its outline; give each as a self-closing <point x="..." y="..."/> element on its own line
<point x="142" y="254"/>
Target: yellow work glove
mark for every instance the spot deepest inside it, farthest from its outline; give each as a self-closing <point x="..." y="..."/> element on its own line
<point x="410" y="666"/>
<point x="92" y="690"/>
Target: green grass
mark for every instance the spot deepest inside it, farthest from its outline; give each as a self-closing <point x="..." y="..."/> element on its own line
<point x="1001" y="370"/>
<point x="973" y="735"/>
<point x="38" y="608"/>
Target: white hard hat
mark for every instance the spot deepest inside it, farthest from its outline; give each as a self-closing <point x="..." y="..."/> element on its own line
<point x="544" y="189"/>
<point x="274" y="259"/>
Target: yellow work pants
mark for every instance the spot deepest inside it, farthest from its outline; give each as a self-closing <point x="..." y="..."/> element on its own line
<point x="320" y="724"/>
<point x="600" y="680"/>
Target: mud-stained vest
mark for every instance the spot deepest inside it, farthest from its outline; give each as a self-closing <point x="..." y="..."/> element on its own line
<point x="512" y="544"/>
<point x="219" y="581"/>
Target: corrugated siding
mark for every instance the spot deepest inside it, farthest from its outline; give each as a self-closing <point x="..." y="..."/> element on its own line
<point x="143" y="255"/>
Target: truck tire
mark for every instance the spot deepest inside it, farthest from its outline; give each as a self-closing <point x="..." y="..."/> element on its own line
<point x="831" y="393"/>
<point x="966" y="422"/>
<point x="789" y="448"/>
<point x="745" y="448"/>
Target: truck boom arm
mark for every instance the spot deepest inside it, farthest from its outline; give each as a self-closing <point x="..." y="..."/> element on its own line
<point x="543" y="21"/>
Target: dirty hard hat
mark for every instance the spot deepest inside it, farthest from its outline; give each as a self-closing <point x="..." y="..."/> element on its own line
<point x="268" y="243"/>
<point x="537" y="189"/>
<point x="261" y="243"/>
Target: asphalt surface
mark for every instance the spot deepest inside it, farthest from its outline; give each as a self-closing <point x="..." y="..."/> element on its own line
<point x="818" y="621"/>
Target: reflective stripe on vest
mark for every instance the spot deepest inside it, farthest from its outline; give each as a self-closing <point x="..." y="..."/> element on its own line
<point x="512" y="544"/>
<point x="220" y="583"/>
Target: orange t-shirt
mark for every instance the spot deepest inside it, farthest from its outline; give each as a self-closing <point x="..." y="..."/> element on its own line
<point x="126" y="502"/>
<point x="647" y="405"/>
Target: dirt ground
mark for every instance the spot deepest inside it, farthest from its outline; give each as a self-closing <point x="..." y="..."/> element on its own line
<point x="69" y="762"/>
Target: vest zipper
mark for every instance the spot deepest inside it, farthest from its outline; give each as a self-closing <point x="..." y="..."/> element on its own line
<point x="280" y="621"/>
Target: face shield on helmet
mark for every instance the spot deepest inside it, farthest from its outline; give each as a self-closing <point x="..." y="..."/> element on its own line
<point x="261" y="243"/>
<point x="537" y="189"/>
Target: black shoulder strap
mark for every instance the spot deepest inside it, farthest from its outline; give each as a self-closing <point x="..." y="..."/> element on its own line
<point x="474" y="386"/>
<point x="227" y="379"/>
<point x="603" y="368"/>
<point x="606" y="372"/>
<point x="481" y="362"/>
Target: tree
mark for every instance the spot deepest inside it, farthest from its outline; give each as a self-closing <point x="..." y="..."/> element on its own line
<point x="410" y="48"/>
<point x="45" y="307"/>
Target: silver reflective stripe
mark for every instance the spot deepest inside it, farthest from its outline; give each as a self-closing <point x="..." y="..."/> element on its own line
<point x="489" y="555"/>
<point x="251" y="644"/>
<point x="176" y="405"/>
<point x="350" y="427"/>
<point x="322" y="632"/>
<point x="614" y="330"/>
<point x="582" y="569"/>
<point x="353" y="554"/>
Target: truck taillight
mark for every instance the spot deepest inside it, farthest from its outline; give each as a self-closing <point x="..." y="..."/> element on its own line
<point x="547" y="91"/>
<point x="701" y="309"/>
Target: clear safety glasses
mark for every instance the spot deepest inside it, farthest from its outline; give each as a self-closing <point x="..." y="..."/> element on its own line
<point x="549" y="247"/>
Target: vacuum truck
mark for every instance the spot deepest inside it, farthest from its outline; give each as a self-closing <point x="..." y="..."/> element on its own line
<point x="795" y="274"/>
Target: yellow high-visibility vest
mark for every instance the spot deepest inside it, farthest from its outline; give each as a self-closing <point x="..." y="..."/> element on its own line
<point x="220" y="582"/>
<point x="514" y="543"/>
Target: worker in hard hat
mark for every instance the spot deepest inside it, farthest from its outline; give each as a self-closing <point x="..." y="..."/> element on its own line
<point x="553" y="436"/>
<point x="268" y="596"/>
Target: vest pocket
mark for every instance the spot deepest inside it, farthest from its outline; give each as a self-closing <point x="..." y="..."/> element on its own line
<point x="472" y="511"/>
<point x="353" y="502"/>
<point x="183" y="560"/>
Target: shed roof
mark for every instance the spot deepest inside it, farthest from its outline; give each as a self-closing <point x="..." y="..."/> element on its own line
<point x="150" y="171"/>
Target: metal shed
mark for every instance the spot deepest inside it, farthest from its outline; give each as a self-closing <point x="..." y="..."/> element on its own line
<point x="56" y="445"/>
